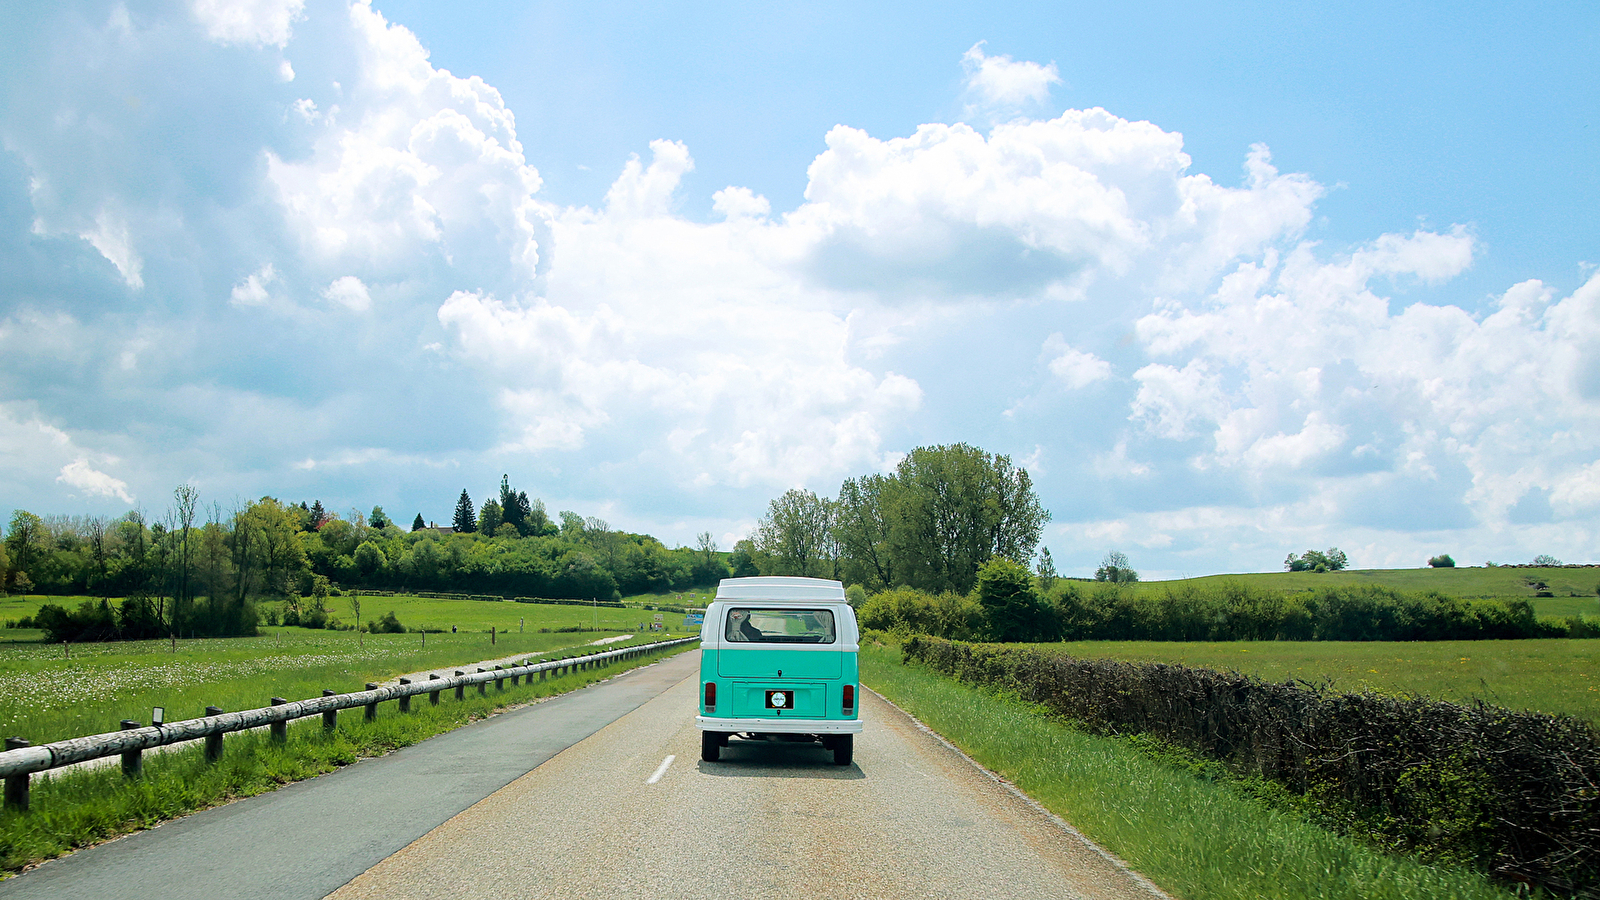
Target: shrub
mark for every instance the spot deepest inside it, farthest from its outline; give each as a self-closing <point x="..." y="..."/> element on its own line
<point x="907" y="611"/>
<point x="1012" y="610"/>
<point x="386" y="625"/>
<point x="1442" y="561"/>
<point x="856" y="595"/>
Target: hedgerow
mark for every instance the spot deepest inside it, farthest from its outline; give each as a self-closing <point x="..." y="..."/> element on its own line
<point x="1231" y="611"/>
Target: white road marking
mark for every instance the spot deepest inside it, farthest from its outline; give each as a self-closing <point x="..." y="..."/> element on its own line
<point x="661" y="769"/>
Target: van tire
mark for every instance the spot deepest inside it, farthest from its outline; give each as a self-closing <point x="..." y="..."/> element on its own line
<point x="844" y="746"/>
<point x="710" y="746"/>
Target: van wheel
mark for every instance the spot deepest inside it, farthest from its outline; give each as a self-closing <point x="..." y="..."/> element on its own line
<point x="710" y="746"/>
<point x="844" y="746"/>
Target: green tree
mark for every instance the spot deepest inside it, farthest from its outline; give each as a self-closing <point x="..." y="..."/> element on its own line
<point x="318" y="517"/>
<point x="1046" y="570"/>
<point x="862" y="526"/>
<point x="377" y="519"/>
<point x="184" y="499"/>
<point x="417" y="524"/>
<point x="512" y="507"/>
<point x="1331" y="560"/>
<point x="794" y="537"/>
<point x="490" y="518"/>
<point x="1116" y="569"/>
<point x="742" y="561"/>
<point x="955" y="507"/>
<point x="465" y="520"/>
<point x="25" y="540"/>
<point x="369" y="559"/>
<point x="1442" y="561"/>
<point x="1012" y="609"/>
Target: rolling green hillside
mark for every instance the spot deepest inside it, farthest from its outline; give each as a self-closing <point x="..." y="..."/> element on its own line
<point x="1573" y="590"/>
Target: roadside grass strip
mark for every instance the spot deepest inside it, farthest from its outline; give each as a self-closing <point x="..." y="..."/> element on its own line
<point x="77" y="808"/>
<point x="1197" y="838"/>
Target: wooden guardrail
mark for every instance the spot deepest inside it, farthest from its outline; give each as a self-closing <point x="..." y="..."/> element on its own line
<point x="19" y="761"/>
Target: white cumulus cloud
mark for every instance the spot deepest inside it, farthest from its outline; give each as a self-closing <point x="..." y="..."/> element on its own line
<point x="999" y="82"/>
<point x="349" y="292"/>
<point x="259" y="22"/>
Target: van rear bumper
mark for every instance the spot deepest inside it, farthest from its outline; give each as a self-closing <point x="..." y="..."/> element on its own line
<point x="778" y="726"/>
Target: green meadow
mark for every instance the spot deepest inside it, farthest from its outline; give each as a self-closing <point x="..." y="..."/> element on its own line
<point x="1574" y="591"/>
<point x="422" y="612"/>
<point x="1553" y="676"/>
<point x="47" y="694"/>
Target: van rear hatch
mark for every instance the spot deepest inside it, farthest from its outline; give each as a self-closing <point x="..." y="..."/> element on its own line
<point x="766" y="663"/>
<point x="784" y="643"/>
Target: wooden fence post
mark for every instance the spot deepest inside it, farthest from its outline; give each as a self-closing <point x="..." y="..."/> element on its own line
<point x="213" y="741"/>
<point x="17" y="785"/>
<point x="280" y="730"/>
<point x="372" y="708"/>
<point x="132" y="760"/>
<point x="405" y="699"/>
<point x="433" y="696"/>
<point x="461" y="689"/>
<point x="500" y="682"/>
<point x="330" y="719"/>
<point x="483" y="686"/>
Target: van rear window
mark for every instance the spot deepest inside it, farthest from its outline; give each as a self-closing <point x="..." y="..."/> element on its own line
<point x="781" y="626"/>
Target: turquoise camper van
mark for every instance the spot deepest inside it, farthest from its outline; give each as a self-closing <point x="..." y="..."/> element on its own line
<point x="778" y="663"/>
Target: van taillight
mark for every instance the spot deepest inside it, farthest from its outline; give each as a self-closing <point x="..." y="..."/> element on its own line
<point x="849" y="697"/>
<point x="711" y="695"/>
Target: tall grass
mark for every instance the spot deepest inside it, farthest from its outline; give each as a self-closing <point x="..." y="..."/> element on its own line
<point x="1197" y="838"/>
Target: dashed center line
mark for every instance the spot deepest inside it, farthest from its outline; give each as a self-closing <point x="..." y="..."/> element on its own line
<point x="661" y="769"/>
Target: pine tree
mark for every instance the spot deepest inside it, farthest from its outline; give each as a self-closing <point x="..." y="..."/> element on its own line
<point x="319" y="516"/>
<point x="515" y="513"/>
<point x="465" y="519"/>
<point x="417" y="524"/>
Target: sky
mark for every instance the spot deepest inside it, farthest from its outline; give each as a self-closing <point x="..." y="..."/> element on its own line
<point x="1231" y="280"/>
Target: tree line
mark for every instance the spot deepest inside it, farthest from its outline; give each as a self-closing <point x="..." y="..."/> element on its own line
<point x="201" y="570"/>
<point x="931" y="524"/>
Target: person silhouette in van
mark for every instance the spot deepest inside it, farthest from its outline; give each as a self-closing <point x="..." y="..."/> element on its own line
<point x="750" y="632"/>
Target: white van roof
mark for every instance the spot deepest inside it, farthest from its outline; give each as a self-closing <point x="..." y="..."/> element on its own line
<point x="780" y="588"/>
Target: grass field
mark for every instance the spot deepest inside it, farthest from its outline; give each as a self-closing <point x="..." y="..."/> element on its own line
<point x="1574" y="590"/>
<point x="1555" y="676"/>
<point x="419" y="612"/>
<point x="1197" y="838"/>
<point x="45" y="696"/>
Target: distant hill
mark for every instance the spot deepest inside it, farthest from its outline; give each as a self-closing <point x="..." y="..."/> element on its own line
<point x="1572" y="589"/>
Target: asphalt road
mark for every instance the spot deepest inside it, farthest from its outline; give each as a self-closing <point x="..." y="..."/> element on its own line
<point x="633" y="812"/>
<point x="304" y="841"/>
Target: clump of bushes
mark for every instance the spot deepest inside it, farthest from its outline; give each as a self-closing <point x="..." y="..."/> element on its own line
<point x="141" y="618"/>
<point x="1512" y="793"/>
<point x="388" y="624"/>
<point x="1442" y="561"/>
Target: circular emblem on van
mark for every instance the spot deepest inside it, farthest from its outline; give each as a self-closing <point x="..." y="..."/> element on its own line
<point x="779" y="698"/>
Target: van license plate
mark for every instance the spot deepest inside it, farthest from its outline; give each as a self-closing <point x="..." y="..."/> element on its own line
<point x="780" y="699"/>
